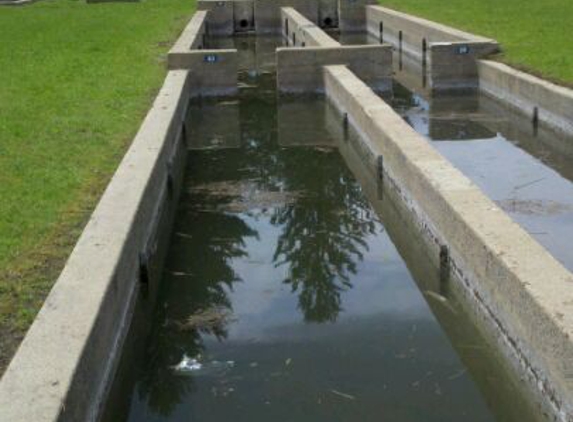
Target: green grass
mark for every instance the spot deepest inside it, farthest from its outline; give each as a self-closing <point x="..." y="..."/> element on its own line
<point x="535" y="34"/>
<point x="76" y="80"/>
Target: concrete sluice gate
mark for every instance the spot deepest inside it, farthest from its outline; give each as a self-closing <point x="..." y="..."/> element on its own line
<point x="332" y="211"/>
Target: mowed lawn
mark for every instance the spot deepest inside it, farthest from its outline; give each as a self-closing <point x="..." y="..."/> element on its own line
<point x="536" y="35"/>
<point x="76" y="80"/>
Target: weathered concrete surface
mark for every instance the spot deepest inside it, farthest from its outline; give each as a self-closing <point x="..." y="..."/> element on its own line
<point x="522" y="291"/>
<point x="63" y="367"/>
<point x="220" y="19"/>
<point x="527" y="93"/>
<point x="268" y="13"/>
<point x="300" y="69"/>
<point x="299" y="31"/>
<point x="352" y="14"/>
<point x="215" y="71"/>
<point x="450" y="54"/>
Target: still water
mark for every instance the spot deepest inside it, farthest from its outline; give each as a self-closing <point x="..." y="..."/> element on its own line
<point x="284" y="297"/>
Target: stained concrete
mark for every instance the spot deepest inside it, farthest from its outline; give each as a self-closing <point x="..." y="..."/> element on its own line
<point x="268" y="13"/>
<point x="521" y="289"/>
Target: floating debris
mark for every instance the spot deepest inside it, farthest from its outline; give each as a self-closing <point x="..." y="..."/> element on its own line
<point x="188" y="365"/>
<point x="341" y="394"/>
<point x="288" y="362"/>
<point x="194" y="366"/>
<point x="207" y="319"/>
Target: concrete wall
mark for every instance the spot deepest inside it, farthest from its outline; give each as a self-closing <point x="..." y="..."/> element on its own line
<point x="299" y="69"/>
<point x="299" y="31"/>
<point x="522" y="291"/>
<point x="450" y="54"/>
<point x="215" y="71"/>
<point x="65" y="364"/>
<point x="527" y="93"/>
<point x="268" y="13"/>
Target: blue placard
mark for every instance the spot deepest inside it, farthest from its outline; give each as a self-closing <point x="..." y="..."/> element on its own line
<point x="210" y="58"/>
<point x="463" y="49"/>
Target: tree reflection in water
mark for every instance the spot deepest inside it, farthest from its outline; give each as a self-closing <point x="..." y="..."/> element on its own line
<point x="199" y="277"/>
<point x="323" y="233"/>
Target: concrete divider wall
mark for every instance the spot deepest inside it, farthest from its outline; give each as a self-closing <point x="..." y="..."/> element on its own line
<point x="268" y="13"/>
<point x="81" y="327"/>
<point x="215" y="71"/>
<point x="522" y="291"/>
<point x="299" y="69"/>
<point x="542" y="100"/>
<point x="451" y="55"/>
<point x="299" y="31"/>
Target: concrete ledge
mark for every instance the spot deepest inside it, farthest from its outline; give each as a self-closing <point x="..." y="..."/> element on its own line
<point x="215" y="71"/>
<point x="64" y="366"/>
<point x="451" y="54"/>
<point x="193" y="36"/>
<point x="522" y="291"/>
<point x="550" y="104"/>
<point x="299" y="31"/>
<point x="300" y="69"/>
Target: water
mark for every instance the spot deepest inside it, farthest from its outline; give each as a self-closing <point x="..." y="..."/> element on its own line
<point x="284" y="297"/>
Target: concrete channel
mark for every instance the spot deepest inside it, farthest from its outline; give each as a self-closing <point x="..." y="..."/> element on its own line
<point x="479" y="270"/>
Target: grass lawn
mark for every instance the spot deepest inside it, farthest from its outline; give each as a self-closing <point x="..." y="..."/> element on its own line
<point x="76" y="80"/>
<point x="535" y="35"/>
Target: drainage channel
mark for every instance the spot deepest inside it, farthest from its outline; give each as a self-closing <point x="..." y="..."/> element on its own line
<point x="526" y="169"/>
<point x="285" y="297"/>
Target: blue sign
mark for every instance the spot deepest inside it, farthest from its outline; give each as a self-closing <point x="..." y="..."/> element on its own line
<point x="211" y="58"/>
<point x="463" y="49"/>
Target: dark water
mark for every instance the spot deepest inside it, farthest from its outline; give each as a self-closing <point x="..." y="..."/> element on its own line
<point x="287" y="291"/>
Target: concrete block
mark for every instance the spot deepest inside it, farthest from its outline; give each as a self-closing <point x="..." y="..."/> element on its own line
<point x="300" y="69"/>
<point x="453" y="65"/>
<point x="215" y="71"/>
<point x="220" y="19"/>
<point x="268" y="13"/>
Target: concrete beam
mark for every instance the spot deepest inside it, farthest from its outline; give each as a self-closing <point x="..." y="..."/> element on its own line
<point x="300" y="69"/>
<point x="522" y="292"/>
